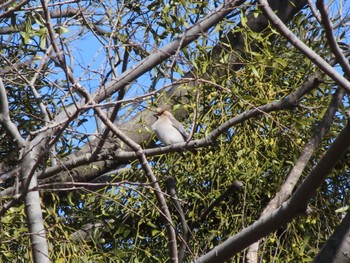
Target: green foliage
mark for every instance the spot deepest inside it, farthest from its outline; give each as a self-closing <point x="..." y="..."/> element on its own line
<point x="14" y="236"/>
<point x="125" y="219"/>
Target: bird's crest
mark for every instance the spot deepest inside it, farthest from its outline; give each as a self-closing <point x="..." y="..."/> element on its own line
<point x="160" y="111"/>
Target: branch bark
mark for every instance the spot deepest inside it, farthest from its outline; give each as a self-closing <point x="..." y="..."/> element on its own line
<point x="296" y="42"/>
<point x="294" y="175"/>
<point x="338" y="53"/>
<point x="171" y="189"/>
<point x="295" y="206"/>
<point x="5" y="119"/>
<point x="40" y="250"/>
<point x="336" y="249"/>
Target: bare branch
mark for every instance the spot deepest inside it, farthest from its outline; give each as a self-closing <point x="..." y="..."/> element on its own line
<point x="234" y="187"/>
<point x="13" y="9"/>
<point x="337" y="247"/>
<point x="164" y="53"/>
<point x="295" y="41"/>
<point x="57" y="13"/>
<point x="343" y="61"/>
<point x="5" y="119"/>
<point x="294" y="175"/>
<point x="294" y="207"/>
<point x="171" y="189"/>
<point x="6" y="4"/>
<point x="314" y="11"/>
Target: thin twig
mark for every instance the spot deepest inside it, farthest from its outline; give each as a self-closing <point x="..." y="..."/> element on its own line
<point x="314" y="11"/>
<point x="343" y="61"/>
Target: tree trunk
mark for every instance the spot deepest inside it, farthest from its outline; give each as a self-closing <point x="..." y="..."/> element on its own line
<point x="39" y="246"/>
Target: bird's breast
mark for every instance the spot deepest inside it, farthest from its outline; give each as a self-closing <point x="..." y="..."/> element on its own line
<point x="167" y="134"/>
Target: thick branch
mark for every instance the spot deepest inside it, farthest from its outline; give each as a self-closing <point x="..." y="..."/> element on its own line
<point x="162" y="54"/>
<point x="171" y="189"/>
<point x="293" y="177"/>
<point x="13" y="9"/>
<point x="336" y="249"/>
<point x="295" y="206"/>
<point x="57" y="13"/>
<point x="234" y="187"/>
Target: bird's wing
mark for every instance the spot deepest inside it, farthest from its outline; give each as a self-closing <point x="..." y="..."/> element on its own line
<point x="176" y="124"/>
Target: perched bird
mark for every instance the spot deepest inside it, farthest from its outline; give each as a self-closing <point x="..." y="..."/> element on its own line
<point x="168" y="129"/>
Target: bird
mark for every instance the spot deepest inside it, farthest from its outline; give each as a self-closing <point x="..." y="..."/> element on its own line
<point x="168" y="129"/>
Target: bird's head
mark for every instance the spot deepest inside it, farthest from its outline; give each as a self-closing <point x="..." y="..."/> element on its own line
<point x="162" y="111"/>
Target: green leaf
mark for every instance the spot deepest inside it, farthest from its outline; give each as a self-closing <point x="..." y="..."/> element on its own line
<point x="342" y="209"/>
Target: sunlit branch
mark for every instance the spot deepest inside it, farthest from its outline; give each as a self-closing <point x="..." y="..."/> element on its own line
<point x="162" y="54"/>
<point x="12" y="9"/>
<point x="295" y="41"/>
<point x="5" y="119"/>
<point x="295" y="173"/>
<point x="338" y="53"/>
<point x="314" y="11"/>
<point x="171" y="189"/>
<point x="289" y="210"/>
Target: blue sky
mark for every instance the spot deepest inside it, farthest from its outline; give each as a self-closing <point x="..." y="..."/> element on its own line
<point x="90" y="62"/>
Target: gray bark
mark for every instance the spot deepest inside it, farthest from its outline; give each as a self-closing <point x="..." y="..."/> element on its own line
<point x="337" y="248"/>
<point x="32" y="202"/>
<point x="294" y="207"/>
<point x="29" y="155"/>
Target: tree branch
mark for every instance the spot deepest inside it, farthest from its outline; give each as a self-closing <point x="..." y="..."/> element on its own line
<point x="57" y="13"/>
<point x="13" y="9"/>
<point x="296" y="42"/>
<point x="314" y="11"/>
<point x="234" y="187"/>
<point x="162" y="54"/>
<point x="340" y="57"/>
<point x="336" y="249"/>
<point x="171" y="189"/>
<point x="293" y="177"/>
<point x="5" y="119"/>
<point x="158" y="192"/>
<point x="295" y="206"/>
